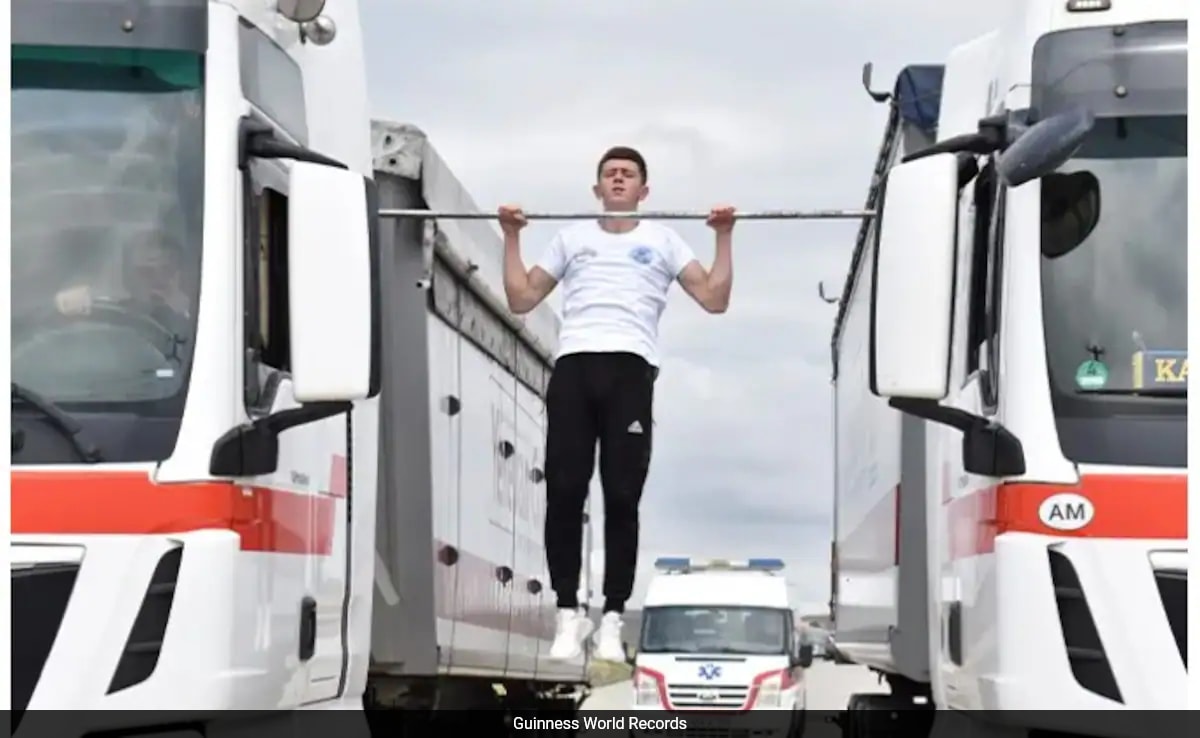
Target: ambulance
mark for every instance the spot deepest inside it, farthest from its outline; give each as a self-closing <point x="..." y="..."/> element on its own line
<point x="720" y="636"/>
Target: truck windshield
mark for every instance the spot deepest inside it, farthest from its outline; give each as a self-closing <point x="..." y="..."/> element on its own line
<point x="107" y="212"/>
<point x="1115" y="298"/>
<point x="745" y="630"/>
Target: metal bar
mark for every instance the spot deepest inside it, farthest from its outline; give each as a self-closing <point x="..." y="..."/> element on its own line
<point x="648" y="214"/>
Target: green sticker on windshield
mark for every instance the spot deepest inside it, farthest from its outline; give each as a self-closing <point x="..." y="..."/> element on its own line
<point x="1091" y="375"/>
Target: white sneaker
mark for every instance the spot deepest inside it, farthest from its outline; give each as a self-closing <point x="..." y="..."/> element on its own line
<point x="607" y="640"/>
<point x="572" y="630"/>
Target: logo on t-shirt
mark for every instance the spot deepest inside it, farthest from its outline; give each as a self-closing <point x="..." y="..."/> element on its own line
<point x="642" y="254"/>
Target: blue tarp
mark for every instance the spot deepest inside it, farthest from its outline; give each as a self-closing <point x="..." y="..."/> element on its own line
<point x="918" y="93"/>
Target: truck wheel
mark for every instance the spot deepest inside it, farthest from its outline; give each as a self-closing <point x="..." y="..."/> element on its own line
<point x="884" y="716"/>
<point x="868" y="716"/>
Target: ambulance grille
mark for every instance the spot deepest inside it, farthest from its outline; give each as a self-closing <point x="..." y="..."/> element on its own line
<point x="706" y="696"/>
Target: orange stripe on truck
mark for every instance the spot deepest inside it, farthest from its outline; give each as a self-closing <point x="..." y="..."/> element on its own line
<point x="1124" y="507"/>
<point x="130" y="503"/>
<point x="267" y="520"/>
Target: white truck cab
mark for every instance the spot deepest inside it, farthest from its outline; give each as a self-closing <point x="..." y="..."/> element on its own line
<point x="719" y="635"/>
<point x="285" y="451"/>
<point x="1010" y="421"/>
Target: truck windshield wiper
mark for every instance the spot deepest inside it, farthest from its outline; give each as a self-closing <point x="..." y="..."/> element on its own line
<point x="61" y="420"/>
<point x="1136" y="392"/>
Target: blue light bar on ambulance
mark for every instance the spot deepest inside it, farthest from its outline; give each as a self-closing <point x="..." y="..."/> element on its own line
<point x="686" y="563"/>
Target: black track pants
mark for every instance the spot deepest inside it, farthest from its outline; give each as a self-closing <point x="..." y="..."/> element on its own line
<point x="606" y="398"/>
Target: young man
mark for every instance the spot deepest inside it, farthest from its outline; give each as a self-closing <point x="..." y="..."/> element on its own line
<point x="615" y="275"/>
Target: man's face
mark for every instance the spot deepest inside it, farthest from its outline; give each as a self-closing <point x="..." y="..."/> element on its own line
<point x="151" y="266"/>
<point x="621" y="185"/>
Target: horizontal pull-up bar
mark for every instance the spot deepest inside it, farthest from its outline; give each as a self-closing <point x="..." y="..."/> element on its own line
<point x="649" y="214"/>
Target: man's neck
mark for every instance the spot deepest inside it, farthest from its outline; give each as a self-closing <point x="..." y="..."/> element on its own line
<point x="618" y="225"/>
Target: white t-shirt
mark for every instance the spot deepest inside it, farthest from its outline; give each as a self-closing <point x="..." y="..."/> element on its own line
<point x="614" y="285"/>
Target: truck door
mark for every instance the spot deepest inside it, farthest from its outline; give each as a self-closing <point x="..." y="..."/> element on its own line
<point x="974" y="388"/>
<point x="303" y="599"/>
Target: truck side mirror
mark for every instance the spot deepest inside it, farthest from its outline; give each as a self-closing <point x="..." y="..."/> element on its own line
<point x="912" y="280"/>
<point x="1070" y="211"/>
<point x="301" y="11"/>
<point x="332" y="290"/>
<point x="804" y="656"/>
<point x="1045" y="146"/>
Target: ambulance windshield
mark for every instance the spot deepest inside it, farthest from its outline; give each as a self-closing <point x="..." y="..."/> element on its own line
<point x="710" y="630"/>
<point x="107" y="211"/>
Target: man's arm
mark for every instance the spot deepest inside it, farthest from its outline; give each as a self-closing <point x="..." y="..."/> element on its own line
<point x="711" y="288"/>
<point x="524" y="288"/>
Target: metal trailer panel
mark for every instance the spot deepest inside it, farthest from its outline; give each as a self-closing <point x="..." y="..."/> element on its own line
<point x="403" y="637"/>
<point x="868" y="473"/>
<point x="879" y="602"/>
<point x="461" y="582"/>
<point x="404" y="150"/>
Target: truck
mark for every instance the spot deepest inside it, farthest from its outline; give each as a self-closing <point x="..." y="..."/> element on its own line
<point x="719" y="636"/>
<point x="1009" y="374"/>
<point x="310" y="476"/>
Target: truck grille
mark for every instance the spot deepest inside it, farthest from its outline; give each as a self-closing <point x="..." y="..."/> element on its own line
<point x="40" y="594"/>
<point x="1085" y="651"/>
<point x="142" y="648"/>
<point x="706" y="696"/>
<point x="1172" y="588"/>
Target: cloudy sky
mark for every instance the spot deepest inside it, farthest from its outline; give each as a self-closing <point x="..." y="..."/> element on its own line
<point x="757" y="104"/>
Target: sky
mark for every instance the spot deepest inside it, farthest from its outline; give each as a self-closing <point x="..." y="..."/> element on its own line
<point x="758" y="105"/>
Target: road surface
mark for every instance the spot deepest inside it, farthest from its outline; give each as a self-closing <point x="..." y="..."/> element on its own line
<point x="829" y="685"/>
